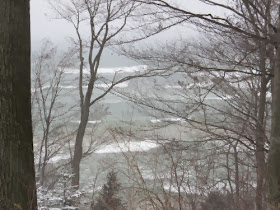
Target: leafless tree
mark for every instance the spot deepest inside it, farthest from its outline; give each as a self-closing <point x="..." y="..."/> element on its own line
<point x="107" y="23"/>
<point x="257" y="21"/>
<point x="214" y="71"/>
<point x="251" y="37"/>
<point x="49" y="113"/>
<point x="179" y="173"/>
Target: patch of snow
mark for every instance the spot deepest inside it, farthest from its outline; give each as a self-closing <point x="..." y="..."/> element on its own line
<point x="268" y="95"/>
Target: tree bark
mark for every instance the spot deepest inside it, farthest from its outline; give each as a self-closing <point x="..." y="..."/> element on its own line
<point x="260" y="132"/>
<point x="78" y="152"/>
<point x="17" y="176"/>
<point x="274" y="152"/>
<point x="236" y="177"/>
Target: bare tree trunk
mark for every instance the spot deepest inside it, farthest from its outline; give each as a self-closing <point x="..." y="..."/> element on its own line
<point x="78" y="152"/>
<point x="274" y="152"/>
<point x="17" y="176"/>
<point x="42" y="181"/>
<point x="260" y="155"/>
<point x="236" y="177"/>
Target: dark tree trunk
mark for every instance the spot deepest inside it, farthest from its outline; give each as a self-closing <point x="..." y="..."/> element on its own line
<point x="236" y="177"/>
<point x="260" y="133"/>
<point x="78" y="152"/>
<point x="274" y="152"/>
<point x="17" y="177"/>
<point x="85" y="104"/>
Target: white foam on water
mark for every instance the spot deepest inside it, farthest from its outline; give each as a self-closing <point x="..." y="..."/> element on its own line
<point x="133" y="146"/>
<point x="90" y="122"/>
<point x="129" y="69"/>
<point x="167" y="120"/>
<point x="59" y="157"/>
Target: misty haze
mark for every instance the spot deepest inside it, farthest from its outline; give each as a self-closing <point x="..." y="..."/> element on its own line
<point x="140" y="104"/>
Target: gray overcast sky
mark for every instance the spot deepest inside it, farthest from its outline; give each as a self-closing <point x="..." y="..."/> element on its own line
<point x="44" y="26"/>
